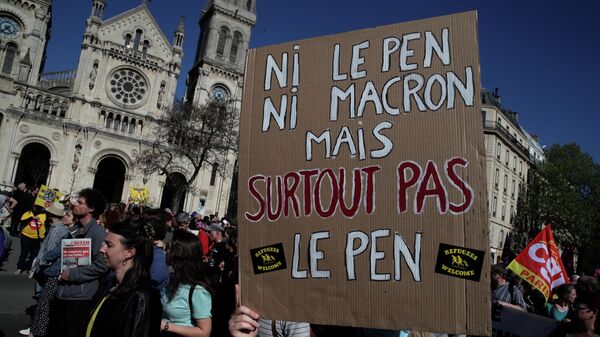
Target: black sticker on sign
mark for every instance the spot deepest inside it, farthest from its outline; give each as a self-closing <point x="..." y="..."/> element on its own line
<point x="459" y="262"/>
<point x="267" y="259"/>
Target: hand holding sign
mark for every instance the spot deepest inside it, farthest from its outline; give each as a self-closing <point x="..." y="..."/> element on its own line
<point x="243" y="322"/>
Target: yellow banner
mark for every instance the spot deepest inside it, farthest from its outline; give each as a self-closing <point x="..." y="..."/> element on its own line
<point x="139" y="195"/>
<point x="46" y="196"/>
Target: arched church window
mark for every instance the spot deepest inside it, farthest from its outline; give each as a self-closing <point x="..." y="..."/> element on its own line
<point x="29" y="101"/>
<point x="109" y="120"/>
<point x="128" y="40"/>
<point x="9" y="58"/>
<point x="222" y="39"/>
<point x="124" y="124"/>
<point x="138" y="38"/>
<point x="249" y="5"/>
<point x="213" y="174"/>
<point x="47" y="105"/>
<point x="117" y="123"/>
<point x="131" y="126"/>
<point x="145" y="46"/>
<point x="38" y="103"/>
<point x="63" y="109"/>
<point x="54" y="108"/>
<point x="235" y="45"/>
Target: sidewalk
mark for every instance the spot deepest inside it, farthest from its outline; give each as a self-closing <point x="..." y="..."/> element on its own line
<point x="15" y="295"/>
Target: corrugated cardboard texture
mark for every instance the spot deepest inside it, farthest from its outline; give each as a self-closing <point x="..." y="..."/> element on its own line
<point x="449" y="138"/>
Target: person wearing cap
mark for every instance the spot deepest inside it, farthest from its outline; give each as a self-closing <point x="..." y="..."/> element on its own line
<point x="217" y="253"/>
<point x="46" y="267"/>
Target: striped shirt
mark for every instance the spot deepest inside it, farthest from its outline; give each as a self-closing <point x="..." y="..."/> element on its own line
<point x="283" y="328"/>
<point x="503" y="293"/>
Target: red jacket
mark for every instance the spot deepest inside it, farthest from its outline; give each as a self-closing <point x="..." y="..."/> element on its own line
<point x="203" y="241"/>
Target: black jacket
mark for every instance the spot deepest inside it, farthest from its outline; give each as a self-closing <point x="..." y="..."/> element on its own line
<point x="135" y="314"/>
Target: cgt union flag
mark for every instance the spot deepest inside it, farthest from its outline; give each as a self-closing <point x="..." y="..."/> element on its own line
<point x="539" y="263"/>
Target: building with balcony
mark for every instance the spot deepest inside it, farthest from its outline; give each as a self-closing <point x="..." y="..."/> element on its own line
<point x="510" y="154"/>
<point x="84" y="127"/>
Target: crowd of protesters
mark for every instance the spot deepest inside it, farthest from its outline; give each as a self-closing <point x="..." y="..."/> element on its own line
<point x="574" y="305"/>
<point x="151" y="273"/>
<point x="156" y="273"/>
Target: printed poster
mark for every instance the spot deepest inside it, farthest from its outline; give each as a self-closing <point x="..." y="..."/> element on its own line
<point x="75" y="253"/>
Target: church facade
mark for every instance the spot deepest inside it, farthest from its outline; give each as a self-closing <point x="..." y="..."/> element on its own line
<point x="84" y="127"/>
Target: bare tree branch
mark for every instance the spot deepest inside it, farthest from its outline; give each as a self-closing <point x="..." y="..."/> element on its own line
<point x="191" y="136"/>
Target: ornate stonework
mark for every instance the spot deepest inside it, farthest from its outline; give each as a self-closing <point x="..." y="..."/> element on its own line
<point x="126" y="74"/>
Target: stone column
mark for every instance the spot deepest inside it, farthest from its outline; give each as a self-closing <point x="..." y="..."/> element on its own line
<point x="53" y="164"/>
<point x="13" y="170"/>
<point x="125" y="193"/>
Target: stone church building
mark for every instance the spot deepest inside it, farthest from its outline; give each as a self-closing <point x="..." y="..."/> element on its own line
<point x="83" y="127"/>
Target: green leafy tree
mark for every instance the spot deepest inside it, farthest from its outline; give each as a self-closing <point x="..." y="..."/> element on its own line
<point x="563" y="191"/>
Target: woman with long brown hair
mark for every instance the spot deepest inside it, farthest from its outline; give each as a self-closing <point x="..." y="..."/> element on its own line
<point x="560" y="308"/>
<point x="186" y="300"/>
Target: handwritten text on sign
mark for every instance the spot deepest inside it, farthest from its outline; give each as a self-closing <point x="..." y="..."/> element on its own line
<point x="298" y="193"/>
<point x="361" y="154"/>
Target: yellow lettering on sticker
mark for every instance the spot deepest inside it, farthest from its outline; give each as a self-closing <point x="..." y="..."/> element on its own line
<point x="271" y="267"/>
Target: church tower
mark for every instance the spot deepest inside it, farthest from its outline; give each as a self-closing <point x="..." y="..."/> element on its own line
<point x="221" y="53"/>
<point x="24" y="34"/>
<point x="218" y="72"/>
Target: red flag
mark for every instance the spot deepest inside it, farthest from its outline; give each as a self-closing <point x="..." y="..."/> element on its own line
<point x="539" y="263"/>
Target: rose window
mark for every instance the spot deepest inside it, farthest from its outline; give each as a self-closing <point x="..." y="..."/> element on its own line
<point x="128" y="86"/>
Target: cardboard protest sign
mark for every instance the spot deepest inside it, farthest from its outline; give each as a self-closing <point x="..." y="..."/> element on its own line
<point x="47" y="196"/>
<point x="361" y="158"/>
<point x="75" y="253"/>
<point x="139" y="195"/>
<point x="539" y="263"/>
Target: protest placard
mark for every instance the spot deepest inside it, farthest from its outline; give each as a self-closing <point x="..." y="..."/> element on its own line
<point x="362" y="179"/>
<point x="139" y="195"/>
<point x="46" y="196"/>
<point x="75" y="253"/>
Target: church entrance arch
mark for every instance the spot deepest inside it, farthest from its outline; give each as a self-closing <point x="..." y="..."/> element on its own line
<point x="110" y="178"/>
<point x="170" y="196"/>
<point x="34" y="165"/>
